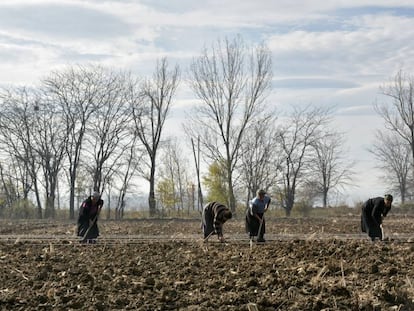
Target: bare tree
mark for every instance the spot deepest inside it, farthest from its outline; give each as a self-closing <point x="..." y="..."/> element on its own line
<point x="394" y="157"/>
<point x="49" y="143"/>
<point x="16" y="137"/>
<point x="109" y="127"/>
<point x="399" y="113"/>
<point x="232" y="85"/>
<point x="331" y="171"/>
<point x="296" y="138"/>
<point x="9" y="193"/>
<point x="76" y="91"/>
<point x="196" y="155"/>
<point x="108" y="132"/>
<point x="155" y="99"/>
<point x="130" y="161"/>
<point x="260" y="159"/>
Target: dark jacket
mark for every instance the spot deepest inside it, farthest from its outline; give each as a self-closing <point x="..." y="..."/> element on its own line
<point x="375" y="209"/>
<point x="214" y="216"/>
<point x="87" y="213"/>
<point x="371" y="217"/>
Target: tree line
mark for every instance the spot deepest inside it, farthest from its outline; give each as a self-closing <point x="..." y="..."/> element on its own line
<point x="89" y="127"/>
<point x="86" y="128"/>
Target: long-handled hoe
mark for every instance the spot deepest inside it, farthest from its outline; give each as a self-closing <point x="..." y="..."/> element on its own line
<point x="206" y="238"/>
<point x="260" y="228"/>
<point x="258" y="233"/>
<point x="383" y="233"/>
<point x="204" y="243"/>
<point x="83" y="239"/>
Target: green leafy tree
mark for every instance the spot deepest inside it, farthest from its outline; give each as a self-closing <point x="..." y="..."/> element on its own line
<point x="166" y="193"/>
<point x="216" y="183"/>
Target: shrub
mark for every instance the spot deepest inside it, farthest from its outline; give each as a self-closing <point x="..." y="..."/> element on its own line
<point x="21" y="209"/>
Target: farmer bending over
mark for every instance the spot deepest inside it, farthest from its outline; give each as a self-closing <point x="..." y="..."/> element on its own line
<point x="88" y="218"/>
<point x="255" y="215"/>
<point x="373" y="210"/>
<point x="214" y="216"/>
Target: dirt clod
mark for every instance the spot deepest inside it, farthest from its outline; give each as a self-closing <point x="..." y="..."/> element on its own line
<point x="159" y="273"/>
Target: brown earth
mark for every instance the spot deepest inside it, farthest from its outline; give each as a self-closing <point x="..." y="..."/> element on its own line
<point x="306" y="264"/>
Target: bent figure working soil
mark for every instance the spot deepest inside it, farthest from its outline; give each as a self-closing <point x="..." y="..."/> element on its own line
<point x="214" y="216"/>
<point x="372" y="213"/>
<point x="88" y="218"/>
<point x="255" y="222"/>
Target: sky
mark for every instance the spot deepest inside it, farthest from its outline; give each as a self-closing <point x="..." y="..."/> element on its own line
<point x="334" y="53"/>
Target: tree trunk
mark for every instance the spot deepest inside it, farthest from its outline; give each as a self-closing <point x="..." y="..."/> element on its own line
<point x="290" y="199"/>
<point x="325" y="198"/>
<point x="108" y="205"/>
<point x="39" y="204"/>
<point x="151" y="197"/>
<point x="50" y="207"/>
<point x="72" y="195"/>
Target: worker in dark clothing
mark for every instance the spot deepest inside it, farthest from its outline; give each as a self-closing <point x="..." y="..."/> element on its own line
<point x="255" y="222"/>
<point x="88" y="218"/>
<point x="373" y="211"/>
<point x="214" y="216"/>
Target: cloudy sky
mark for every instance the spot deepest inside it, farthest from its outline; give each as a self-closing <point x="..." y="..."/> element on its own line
<point x="324" y="52"/>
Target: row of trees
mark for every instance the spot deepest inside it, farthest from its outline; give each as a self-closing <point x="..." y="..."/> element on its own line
<point x="240" y="136"/>
<point x="98" y="129"/>
<point x="89" y="126"/>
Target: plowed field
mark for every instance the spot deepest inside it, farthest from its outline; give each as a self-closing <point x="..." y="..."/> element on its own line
<point x="305" y="264"/>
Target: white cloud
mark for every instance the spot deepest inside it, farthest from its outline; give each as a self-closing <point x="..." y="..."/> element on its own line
<point x="324" y="52"/>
